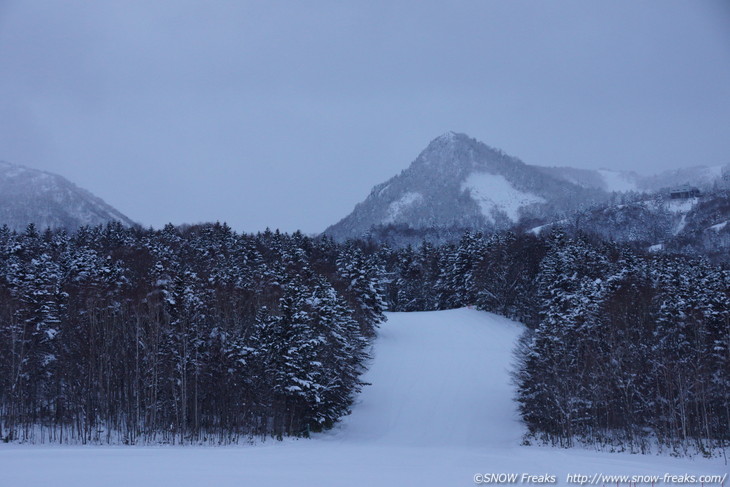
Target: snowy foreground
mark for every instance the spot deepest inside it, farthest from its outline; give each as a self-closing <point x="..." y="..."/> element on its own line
<point x="438" y="413"/>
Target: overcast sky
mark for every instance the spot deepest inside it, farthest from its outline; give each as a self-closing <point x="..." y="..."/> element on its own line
<point x="285" y="114"/>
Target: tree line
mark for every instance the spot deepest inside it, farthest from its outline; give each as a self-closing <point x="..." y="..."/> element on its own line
<point x="200" y="334"/>
<point x="179" y="335"/>
<point x="624" y="349"/>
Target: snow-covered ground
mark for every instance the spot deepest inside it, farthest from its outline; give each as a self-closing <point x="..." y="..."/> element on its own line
<point x="494" y="192"/>
<point x="620" y="181"/>
<point x="438" y="413"/>
<point x="719" y="226"/>
<point x="682" y="206"/>
<point x="396" y="207"/>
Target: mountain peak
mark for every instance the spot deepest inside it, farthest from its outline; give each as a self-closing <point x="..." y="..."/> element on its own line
<point x="49" y="200"/>
<point x="451" y="137"/>
<point x="455" y="143"/>
<point x="459" y="182"/>
<point x="450" y="148"/>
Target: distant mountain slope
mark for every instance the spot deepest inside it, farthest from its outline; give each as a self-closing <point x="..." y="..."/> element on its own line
<point x="698" y="226"/>
<point x="49" y="200"/>
<point x="703" y="177"/>
<point x="458" y="182"/>
<point x="602" y="179"/>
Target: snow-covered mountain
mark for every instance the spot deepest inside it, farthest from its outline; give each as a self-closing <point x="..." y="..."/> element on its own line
<point x="601" y="179"/>
<point x="696" y="225"/>
<point x="49" y="200"/>
<point x="460" y="182"/>
<point x="702" y="177"/>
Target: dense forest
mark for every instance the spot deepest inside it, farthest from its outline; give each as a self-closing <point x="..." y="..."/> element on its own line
<point x="623" y="349"/>
<point x="179" y="335"/>
<point x="199" y="334"/>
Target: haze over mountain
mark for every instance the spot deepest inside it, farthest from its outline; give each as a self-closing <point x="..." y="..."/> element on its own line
<point x="49" y="201"/>
<point x="703" y="177"/>
<point x="458" y="181"/>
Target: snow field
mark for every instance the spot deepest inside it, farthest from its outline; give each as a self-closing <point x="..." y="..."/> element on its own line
<point x="494" y="192"/>
<point x="444" y="387"/>
<point x="439" y="411"/>
<point x="618" y="180"/>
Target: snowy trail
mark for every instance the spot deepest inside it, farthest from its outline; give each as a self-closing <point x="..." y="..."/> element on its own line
<point x="439" y="411"/>
<point x="439" y="380"/>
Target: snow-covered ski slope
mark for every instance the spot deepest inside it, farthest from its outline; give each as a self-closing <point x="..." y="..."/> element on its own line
<point x="439" y="379"/>
<point x="439" y="411"/>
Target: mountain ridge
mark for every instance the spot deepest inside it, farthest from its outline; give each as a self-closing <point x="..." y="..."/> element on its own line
<point x="457" y="181"/>
<point x="49" y="200"/>
<point x="704" y="178"/>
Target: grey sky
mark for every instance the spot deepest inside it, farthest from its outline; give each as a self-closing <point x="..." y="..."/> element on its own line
<point x="285" y="114"/>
